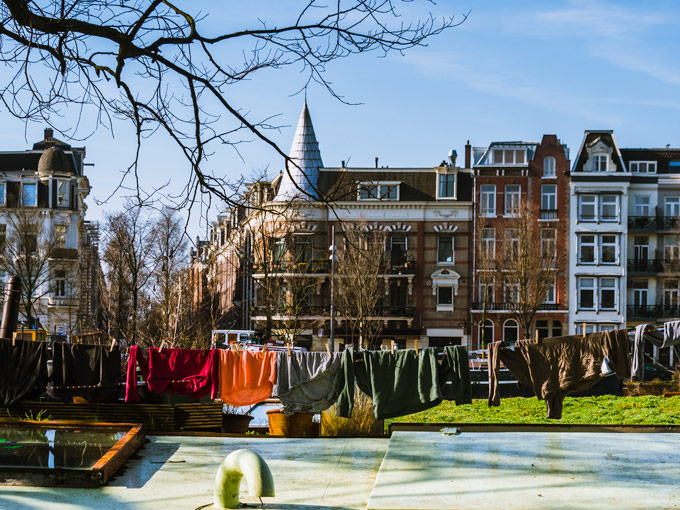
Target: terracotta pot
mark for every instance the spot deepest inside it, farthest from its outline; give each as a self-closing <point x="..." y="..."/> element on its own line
<point x="236" y="423"/>
<point x="297" y="425"/>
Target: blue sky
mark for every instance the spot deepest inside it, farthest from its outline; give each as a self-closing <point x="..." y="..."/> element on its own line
<point x="513" y="71"/>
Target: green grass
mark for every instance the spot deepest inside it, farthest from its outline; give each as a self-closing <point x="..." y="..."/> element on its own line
<point x="644" y="410"/>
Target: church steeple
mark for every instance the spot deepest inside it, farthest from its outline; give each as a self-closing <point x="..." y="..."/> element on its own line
<point x="305" y="153"/>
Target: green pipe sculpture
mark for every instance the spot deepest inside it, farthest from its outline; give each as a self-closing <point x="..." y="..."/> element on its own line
<point x="234" y="467"/>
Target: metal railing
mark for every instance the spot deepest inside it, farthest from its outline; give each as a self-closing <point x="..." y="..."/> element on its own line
<point x="506" y="305"/>
<point x="652" y="311"/>
<point x="645" y="265"/>
<point x="548" y="214"/>
<point x="645" y="223"/>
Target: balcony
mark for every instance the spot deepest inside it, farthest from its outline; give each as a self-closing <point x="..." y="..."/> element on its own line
<point x="396" y="311"/>
<point x="653" y="223"/>
<point x="645" y="265"/>
<point x="64" y="254"/>
<point x="313" y="267"/>
<point x="503" y="306"/>
<point x="648" y="312"/>
<point x="290" y="312"/>
<point x="407" y="268"/>
<point x="61" y="301"/>
<point x="548" y="214"/>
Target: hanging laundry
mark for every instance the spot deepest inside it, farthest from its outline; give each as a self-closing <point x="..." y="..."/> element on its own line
<point x="245" y="377"/>
<point x="23" y="370"/>
<point x="555" y="367"/>
<point x="179" y="371"/>
<point x="399" y="383"/>
<point x="671" y="334"/>
<point x="307" y="382"/>
<point x="455" y="367"/>
<point x="643" y="334"/>
<point x="89" y="371"/>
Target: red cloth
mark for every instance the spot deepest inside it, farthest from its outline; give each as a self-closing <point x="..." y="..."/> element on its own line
<point x="180" y="371"/>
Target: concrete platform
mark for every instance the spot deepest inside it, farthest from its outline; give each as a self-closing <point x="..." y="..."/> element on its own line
<point x="172" y="472"/>
<point x="525" y="470"/>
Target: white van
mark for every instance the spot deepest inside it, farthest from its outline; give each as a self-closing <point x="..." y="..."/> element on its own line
<point x="222" y="338"/>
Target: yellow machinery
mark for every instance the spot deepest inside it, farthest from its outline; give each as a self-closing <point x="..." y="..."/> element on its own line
<point x="30" y="334"/>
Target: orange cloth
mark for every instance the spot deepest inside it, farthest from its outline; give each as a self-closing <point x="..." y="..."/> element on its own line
<point x="246" y="377"/>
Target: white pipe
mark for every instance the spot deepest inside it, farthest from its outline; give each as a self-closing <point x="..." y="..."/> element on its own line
<point x="234" y="467"/>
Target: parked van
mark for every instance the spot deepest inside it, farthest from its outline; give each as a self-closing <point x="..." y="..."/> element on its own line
<point x="222" y="338"/>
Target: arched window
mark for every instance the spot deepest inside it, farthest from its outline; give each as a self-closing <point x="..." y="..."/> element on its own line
<point x="549" y="166"/>
<point x="485" y="333"/>
<point x="510" y="331"/>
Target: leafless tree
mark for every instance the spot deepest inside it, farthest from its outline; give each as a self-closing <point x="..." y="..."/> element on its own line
<point x="360" y="283"/>
<point x="163" y="66"/>
<point x="128" y="260"/>
<point x="485" y="272"/>
<point x="28" y="246"/>
<point x="527" y="265"/>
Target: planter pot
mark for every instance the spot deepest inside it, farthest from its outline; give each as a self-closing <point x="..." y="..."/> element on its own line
<point x="236" y="423"/>
<point x="297" y="425"/>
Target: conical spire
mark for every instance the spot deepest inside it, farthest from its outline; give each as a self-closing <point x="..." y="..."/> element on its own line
<point x="305" y="172"/>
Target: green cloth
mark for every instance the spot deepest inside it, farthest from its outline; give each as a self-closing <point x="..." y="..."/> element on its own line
<point x="400" y="383"/>
<point x="456" y="368"/>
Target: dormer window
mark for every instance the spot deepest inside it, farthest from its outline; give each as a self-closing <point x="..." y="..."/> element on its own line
<point x="447" y="185"/>
<point x="600" y="163"/>
<point x="378" y="191"/>
<point x="508" y="157"/>
<point x="643" y="167"/>
<point x="62" y="194"/>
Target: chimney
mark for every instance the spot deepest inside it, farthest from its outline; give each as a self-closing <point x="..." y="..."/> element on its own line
<point x="452" y="157"/>
<point x="467" y="155"/>
<point x="49" y="134"/>
<point x="376" y="161"/>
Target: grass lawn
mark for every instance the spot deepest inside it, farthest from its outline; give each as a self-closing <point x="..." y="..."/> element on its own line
<point x="607" y="409"/>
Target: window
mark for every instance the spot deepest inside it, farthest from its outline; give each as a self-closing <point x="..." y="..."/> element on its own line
<point x="512" y="198"/>
<point x="508" y="156"/>
<point x="63" y="193"/>
<point x="489" y="242"/>
<point x="447" y="185"/>
<point x="29" y="194"/>
<point x="379" y="191"/>
<point x="3" y="187"/>
<point x="510" y="331"/>
<point x="398" y="249"/>
<point x="641" y="205"/>
<point x="445" y="249"/>
<point x="549" y="197"/>
<point x="586" y="207"/>
<point x="488" y="199"/>
<point x="551" y="295"/>
<point x="640" y="293"/>
<point x="3" y="236"/>
<point x="607" y="293"/>
<point x="671" y="248"/>
<point x="600" y="163"/>
<point x="511" y="243"/>
<point x="511" y="291"/>
<point x="303" y="248"/>
<point x="398" y="295"/>
<point x="549" y="166"/>
<point x="60" y="235"/>
<point x="670" y="293"/>
<point x="641" y="248"/>
<point x="444" y="297"/>
<point x="279" y="253"/>
<point x="586" y="249"/>
<point x="548" y="246"/>
<point x="643" y="166"/>
<point x="672" y="206"/>
<point x="548" y="328"/>
<point x="609" y="208"/>
<point x="485" y="292"/>
<point x="485" y="332"/>
<point x="60" y="284"/>
<point x="608" y="249"/>
<point x="586" y="293"/>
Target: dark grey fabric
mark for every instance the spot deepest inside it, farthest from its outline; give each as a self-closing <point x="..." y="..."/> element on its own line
<point x="307" y="382"/>
<point x="455" y="367"/>
<point x="89" y="371"/>
<point x="671" y="334"/>
<point x="23" y="370"/>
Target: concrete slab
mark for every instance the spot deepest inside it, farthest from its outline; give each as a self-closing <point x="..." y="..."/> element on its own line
<point x="178" y="473"/>
<point x="513" y="471"/>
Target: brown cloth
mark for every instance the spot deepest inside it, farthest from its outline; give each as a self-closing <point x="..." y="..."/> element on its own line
<point x="556" y="367"/>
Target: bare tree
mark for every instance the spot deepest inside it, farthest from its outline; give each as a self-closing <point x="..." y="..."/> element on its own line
<point x="485" y="272"/>
<point x="161" y="66"/>
<point x="128" y="260"/>
<point x="26" y="252"/>
<point x="528" y="265"/>
<point x="360" y="285"/>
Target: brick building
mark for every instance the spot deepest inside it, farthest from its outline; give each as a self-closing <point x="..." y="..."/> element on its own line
<point x="507" y="175"/>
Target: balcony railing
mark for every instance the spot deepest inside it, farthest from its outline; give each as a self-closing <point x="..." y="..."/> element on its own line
<point x="397" y="311"/>
<point x="64" y="254"/>
<point x="320" y="311"/>
<point x="646" y="223"/>
<point x="548" y="214"/>
<point x="404" y="269"/>
<point x="645" y="265"/>
<point x="479" y="305"/>
<point x="652" y="312"/>
<point x="313" y="267"/>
